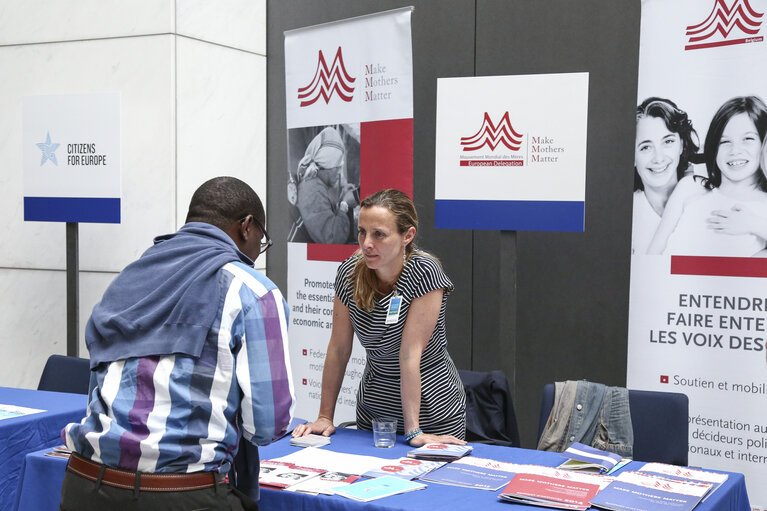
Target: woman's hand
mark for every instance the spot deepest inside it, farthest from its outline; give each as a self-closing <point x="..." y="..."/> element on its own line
<point x="426" y="438"/>
<point x="322" y="426"/>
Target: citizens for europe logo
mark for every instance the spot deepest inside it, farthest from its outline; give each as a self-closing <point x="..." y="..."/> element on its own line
<point x="736" y="23"/>
<point x="327" y="81"/>
<point x="48" y="149"/>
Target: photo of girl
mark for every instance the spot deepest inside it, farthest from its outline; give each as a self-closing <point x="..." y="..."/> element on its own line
<point x="665" y="144"/>
<point x="710" y="224"/>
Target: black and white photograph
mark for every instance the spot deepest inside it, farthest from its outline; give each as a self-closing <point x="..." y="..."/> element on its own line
<point x="324" y="183"/>
<point x="704" y="196"/>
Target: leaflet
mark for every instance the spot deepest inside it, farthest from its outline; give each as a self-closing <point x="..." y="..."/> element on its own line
<point x="324" y="483"/>
<point x="637" y="491"/>
<point x="280" y="475"/>
<point x="379" y="487"/>
<point x="468" y="476"/>
<point x="549" y="491"/>
<point x="405" y="468"/>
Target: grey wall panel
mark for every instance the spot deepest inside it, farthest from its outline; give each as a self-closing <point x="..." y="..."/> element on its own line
<point x="539" y="306"/>
<point x="572" y="296"/>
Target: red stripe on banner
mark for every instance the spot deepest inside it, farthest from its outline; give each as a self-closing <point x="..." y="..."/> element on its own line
<point x="328" y="252"/>
<point x="719" y="266"/>
<point x="386" y="156"/>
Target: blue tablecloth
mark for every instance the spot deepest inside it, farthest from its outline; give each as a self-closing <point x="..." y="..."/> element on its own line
<point x="43" y="475"/>
<point x="28" y="433"/>
<point x="731" y="496"/>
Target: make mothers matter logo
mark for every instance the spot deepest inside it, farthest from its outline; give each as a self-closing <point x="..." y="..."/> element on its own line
<point x="493" y="145"/>
<point x="727" y="24"/>
<point x="327" y="81"/>
<point x="493" y="135"/>
<point x="499" y="144"/>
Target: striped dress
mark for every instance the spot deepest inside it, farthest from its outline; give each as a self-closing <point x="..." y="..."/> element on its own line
<point x="443" y="401"/>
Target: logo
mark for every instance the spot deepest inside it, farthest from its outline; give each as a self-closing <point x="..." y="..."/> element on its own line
<point x="327" y="81"/>
<point x="492" y="135"/>
<point x="494" y="145"/>
<point x="48" y="149"/>
<point x="719" y="28"/>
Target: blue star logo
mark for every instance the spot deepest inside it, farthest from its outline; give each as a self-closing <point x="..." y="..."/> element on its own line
<point x="49" y="150"/>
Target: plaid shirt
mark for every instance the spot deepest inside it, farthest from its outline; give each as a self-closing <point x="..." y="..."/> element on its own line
<point x="176" y="413"/>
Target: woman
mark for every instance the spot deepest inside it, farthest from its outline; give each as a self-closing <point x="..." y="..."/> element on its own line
<point x="665" y="142"/>
<point x="732" y="151"/>
<point x="393" y="297"/>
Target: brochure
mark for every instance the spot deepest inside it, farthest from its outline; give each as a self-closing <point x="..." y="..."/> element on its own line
<point x="333" y="461"/>
<point x="379" y="487"/>
<point x="11" y="411"/>
<point x="324" y="483"/>
<point x="547" y="491"/>
<point x="585" y="457"/>
<point x="279" y="475"/>
<point x="405" y="468"/>
<point x="468" y="476"/>
<point x="310" y="440"/>
<point x="440" y="452"/>
<point x="638" y="491"/>
<point x="675" y="472"/>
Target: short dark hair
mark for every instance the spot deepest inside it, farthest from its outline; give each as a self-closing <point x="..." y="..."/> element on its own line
<point x="223" y="200"/>
<point x="756" y="111"/>
<point x="676" y="121"/>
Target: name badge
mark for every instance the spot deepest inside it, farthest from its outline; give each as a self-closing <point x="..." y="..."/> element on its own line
<point x="392" y="315"/>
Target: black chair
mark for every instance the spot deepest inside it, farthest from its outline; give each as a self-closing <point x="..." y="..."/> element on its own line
<point x="66" y="374"/>
<point x="659" y="421"/>
<point x="490" y="416"/>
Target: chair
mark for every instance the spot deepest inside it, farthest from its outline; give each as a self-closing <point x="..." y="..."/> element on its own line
<point x="66" y="374"/>
<point x="490" y="416"/>
<point x="659" y="421"/>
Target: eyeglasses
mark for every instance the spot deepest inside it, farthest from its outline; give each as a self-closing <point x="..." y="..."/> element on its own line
<point x="264" y="244"/>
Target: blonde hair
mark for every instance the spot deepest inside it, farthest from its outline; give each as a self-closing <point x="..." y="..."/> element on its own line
<point x="366" y="286"/>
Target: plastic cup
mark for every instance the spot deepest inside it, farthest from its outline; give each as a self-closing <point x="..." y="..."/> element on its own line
<point x="384" y="432"/>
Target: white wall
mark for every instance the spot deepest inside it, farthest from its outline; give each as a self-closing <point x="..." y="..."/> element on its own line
<point x="192" y="78"/>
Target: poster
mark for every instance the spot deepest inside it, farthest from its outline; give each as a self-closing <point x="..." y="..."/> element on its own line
<point x="349" y="108"/>
<point x="71" y="155"/>
<point x="511" y="152"/>
<point x="698" y="303"/>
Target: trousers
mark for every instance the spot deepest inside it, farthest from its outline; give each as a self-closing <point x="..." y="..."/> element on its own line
<point x="80" y="494"/>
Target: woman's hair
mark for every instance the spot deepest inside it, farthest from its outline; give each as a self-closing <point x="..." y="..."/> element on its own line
<point x="676" y="121"/>
<point x="756" y="111"/>
<point x="366" y="286"/>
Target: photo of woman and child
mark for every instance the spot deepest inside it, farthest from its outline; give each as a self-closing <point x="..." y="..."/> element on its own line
<point x="683" y="212"/>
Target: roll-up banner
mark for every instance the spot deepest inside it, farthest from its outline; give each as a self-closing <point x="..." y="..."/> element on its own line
<point x="698" y="306"/>
<point x="349" y="103"/>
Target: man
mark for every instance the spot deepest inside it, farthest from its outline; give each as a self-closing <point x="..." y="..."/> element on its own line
<point x="188" y="351"/>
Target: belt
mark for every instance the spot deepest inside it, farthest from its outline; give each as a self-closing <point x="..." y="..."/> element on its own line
<point x="146" y="481"/>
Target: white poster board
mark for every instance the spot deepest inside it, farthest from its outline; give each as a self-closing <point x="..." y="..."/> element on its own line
<point x="71" y="157"/>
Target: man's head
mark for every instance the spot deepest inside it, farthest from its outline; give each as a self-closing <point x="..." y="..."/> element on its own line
<point x="232" y="206"/>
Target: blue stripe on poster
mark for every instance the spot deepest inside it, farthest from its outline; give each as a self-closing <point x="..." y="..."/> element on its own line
<point x="72" y="209"/>
<point x="510" y="215"/>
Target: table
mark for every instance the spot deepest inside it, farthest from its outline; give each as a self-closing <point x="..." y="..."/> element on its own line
<point x="731" y="496"/>
<point x="28" y="433"/>
<point x="41" y="484"/>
